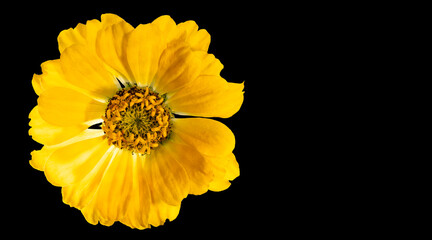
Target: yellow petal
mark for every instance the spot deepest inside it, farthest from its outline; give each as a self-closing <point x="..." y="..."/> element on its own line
<point x="110" y="199"/>
<point x="82" y="35"/>
<point x="139" y="200"/>
<point x="111" y="47"/>
<point x="197" y="168"/>
<point x="49" y="134"/>
<point x="94" y="217"/>
<point x="72" y="163"/>
<point x="161" y="211"/>
<point x="208" y="96"/>
<point x="145" y="209"/>
<point x="85" y="34"/>
<point x="208" y="136"/>
<point x="225" y="169"/>
<point x="40" y="157"/>
<point x="167" y="27"/>
<point x="144" y="47"/>
<point x="232" y="168"/>
<point x="199" y="40"/>
<point x="109" y="19"/>
<point x="85" y="70"/>
<point x="52" y="76"/>
<point x="219" y="185"/>
<point x="37" y="83"/>
<point x="81" y="193"/>
<point x="209" y="64"/>
<point x="66" y="107"/>
<point x="167" y="178"/>
<point x="73" y="36"/>
<point x="178" y="66"/>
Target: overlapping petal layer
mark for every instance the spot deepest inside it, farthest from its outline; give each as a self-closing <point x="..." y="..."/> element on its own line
<point x="208" y="136"/>
<point x="49" y="134"/>
<point x="65" y="107"/>
<point x="83" y="69"/>
<point x="208" y="96"/>
<point x="109" y="184"/>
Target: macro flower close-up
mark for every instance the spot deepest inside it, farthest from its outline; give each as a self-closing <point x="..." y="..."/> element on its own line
<point x="125" y="119"/>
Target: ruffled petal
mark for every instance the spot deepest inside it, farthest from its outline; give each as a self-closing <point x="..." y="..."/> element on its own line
<point x="73" y="162"/>
<point x="167" y="27"/>
<point x="77" y="35"/>
<point x="215" y="142"/>
<point x="109" y="19"/>
<point x="208" y="136"/>
<point x="199" y="40"/>
<point x="195" y="164"/>
<point x="210" y="65"/>
<point x="208" y="96"/>
<point x="225" y="169"/>
<point x="116" y="189"/>
<point x="48" y="134"/>
<point x="40" y="157"/>
<point x="144" y="47"/>
<point x="168" y="180"/>
<point x="161" y="211"/>
<point x="110" y="189"/>
<point x="81" y="193"/>
<point x="178" y="66"/>
<point x="111" y="48"/>
<point x="139" y="201"/>
<point x="37" y="83"/>
<point x="85" y="34"/>
<point x="86" y="71"/>
<point x="145" y="209"/>
<point x="52" y="76"/>
<point x="66" y="107"/>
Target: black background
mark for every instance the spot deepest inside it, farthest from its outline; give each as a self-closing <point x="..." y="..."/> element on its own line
<point x="301" y="154"/>
<point x="293" y="139"/>
<point x="245" y="39"/>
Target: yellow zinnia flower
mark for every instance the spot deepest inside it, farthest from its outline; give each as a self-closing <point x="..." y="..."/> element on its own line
<point x="106" y="116"/>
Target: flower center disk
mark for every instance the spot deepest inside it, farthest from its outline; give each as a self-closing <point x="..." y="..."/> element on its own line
<point x="137" y="119"/>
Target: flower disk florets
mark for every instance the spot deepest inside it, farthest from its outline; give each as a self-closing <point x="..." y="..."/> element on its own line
<point x="137" y="119"/>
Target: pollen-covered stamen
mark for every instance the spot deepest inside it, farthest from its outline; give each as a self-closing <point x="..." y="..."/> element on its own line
<point x="136" y="119"/>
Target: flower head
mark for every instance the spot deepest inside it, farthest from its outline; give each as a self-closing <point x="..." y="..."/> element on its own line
<point x="106" y="116"/>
